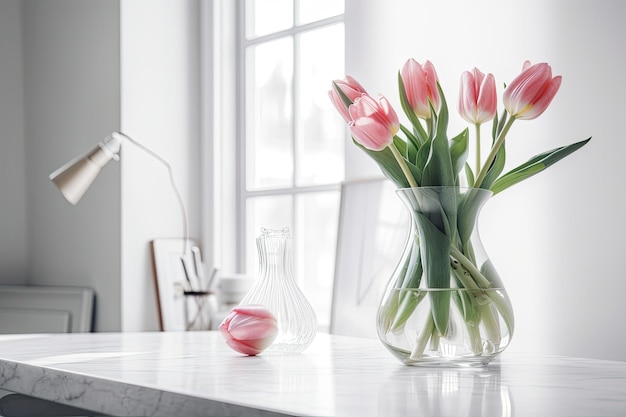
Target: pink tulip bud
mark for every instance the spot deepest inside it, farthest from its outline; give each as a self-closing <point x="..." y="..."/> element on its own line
<point x="374" y="123"/>
<point x="420" y="86"/>
<point x="530" y="93"/>
<point x="477" y="97"/>
<point x="352" y="89"/>
<point x="249" y="329"/>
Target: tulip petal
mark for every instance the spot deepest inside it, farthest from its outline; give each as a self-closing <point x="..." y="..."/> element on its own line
<point x="249" y="329"/>
<point x="530" y="93"/>
<point x="544" y="99"/>
<point x="370" y="134"/>
<point x="477" y="97"/>
<point x="374" y="123"/>
<point x="338" y="103"/>
<point x="420" y="84"/>
<point x="254" y="310"/>
<point x="351" y="89"/>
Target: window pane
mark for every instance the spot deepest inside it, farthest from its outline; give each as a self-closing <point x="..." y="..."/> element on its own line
<point x="321" y="132"/>
<point x="273" y="212"/>
<point x="269" y="119"/>
<point x="315" y="236"/>
<point x="312" y="10"/>
<point x="268" y="16"/>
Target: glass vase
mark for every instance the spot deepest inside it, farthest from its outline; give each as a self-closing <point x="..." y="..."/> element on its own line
<point x="445" y="303"/>
<point x="277" y="290"/>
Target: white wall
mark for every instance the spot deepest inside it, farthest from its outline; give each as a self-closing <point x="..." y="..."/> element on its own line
<point x="160" y="108"/>
<point x="72" y="94"/>
<point x="557" y="238"/>
<point x="71" y="72"/>
<point x="13" y="247"/>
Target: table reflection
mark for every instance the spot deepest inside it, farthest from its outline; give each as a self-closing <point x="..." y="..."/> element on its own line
<point x="446" y="392"/>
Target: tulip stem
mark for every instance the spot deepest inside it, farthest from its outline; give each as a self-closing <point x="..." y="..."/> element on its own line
<point x="403" y="165"/>
<point x="477" y="125"/>
<point x="492" y="155"/>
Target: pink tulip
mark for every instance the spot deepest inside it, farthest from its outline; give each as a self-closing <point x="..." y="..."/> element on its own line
<point x="477" y="98"/>
<point x="374" y="123"/>
<point x="530" y="93"/>
<point x="352" y="89"/>
<point x="420" y="86"/>
<point x="249" y="329"/>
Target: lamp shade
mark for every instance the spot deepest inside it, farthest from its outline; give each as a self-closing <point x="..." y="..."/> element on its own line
<point x="74" y="178"/>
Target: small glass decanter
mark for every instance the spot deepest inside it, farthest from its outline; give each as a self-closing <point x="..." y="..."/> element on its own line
<point x="277" y="290"/>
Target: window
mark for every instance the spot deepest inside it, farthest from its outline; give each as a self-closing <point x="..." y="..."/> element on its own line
<point x="290" y="142"/>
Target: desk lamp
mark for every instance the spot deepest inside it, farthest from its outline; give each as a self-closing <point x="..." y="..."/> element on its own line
<point x="74" y="178"/>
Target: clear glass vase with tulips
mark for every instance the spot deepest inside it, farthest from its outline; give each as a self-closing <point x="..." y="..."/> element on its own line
<point x="445" y="302"/>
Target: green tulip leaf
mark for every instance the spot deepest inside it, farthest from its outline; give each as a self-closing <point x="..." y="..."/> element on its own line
<point x="469" y="174"/>
<point x="435" y="255"/>
<point x="495" y="169"/>
<point x="422" y="156"/>
<point x="387" y="164"/>
<point x="438" y="168"/>
<point x="535" y="165"/>
<point x="459" y="151"/>
<point x="412" y="145"/>
<point x="498" y="125"/>
<point x="442" y="117"/>
<point x="468" y="307"/>
<point x="411" y="276"/>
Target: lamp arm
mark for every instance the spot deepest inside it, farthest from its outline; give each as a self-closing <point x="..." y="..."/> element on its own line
<point x="118" y="136"/>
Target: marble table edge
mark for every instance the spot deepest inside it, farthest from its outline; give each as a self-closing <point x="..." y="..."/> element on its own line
<point x="112" y="397"/>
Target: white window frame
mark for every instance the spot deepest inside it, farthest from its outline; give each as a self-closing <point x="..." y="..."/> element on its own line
<point x="293" y="190"/>
<point x="224" y="172"/>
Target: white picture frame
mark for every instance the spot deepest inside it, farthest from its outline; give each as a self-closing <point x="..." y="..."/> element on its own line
<point x="171" y="282"/>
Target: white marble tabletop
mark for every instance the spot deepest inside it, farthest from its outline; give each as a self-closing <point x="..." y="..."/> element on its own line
<point x="196" y="374"/>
